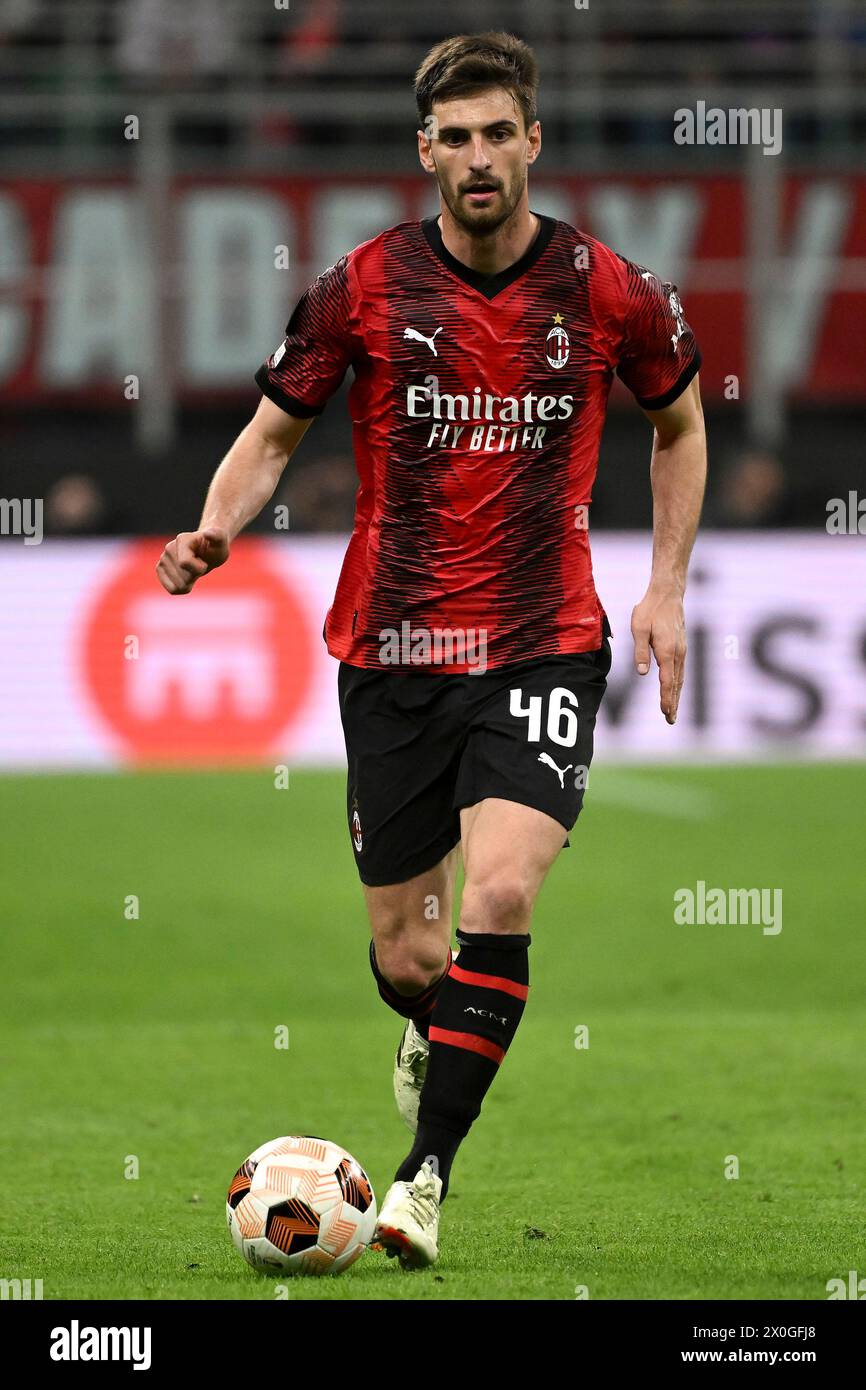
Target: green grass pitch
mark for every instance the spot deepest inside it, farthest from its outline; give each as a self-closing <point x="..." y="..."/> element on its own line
<point x="601" y="1167"/>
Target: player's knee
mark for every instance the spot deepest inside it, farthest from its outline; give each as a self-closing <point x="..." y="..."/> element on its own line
<point x="408" y="970"/>
<point x="498" y="902"/>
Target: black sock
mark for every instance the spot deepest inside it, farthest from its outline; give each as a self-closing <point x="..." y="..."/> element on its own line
<point x="436" y="1145"/>
<point x="418" y="1007"/>
<point x="478" y="1007"/>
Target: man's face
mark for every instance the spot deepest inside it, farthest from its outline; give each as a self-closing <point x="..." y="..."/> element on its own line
<point x="479" y="151"/>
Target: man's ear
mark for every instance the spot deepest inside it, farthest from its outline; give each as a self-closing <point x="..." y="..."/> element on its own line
<point x="533" y="136"/>
<point x="425" y="152"/>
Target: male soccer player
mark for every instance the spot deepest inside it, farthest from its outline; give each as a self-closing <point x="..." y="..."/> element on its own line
<point x="473" y="649"/>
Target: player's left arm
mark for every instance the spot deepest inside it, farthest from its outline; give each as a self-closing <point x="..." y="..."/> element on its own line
<point x="678" y="474"/>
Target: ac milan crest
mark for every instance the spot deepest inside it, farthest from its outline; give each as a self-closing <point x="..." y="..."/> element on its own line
<point x="557" y="344"/>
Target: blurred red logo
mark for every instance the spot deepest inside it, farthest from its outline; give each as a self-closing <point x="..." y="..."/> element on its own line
<point x="214" y="676"/>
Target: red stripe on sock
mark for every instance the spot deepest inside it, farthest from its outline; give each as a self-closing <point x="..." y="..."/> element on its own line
<point x="472" y="977"/>
<point x="469" y="1041"/>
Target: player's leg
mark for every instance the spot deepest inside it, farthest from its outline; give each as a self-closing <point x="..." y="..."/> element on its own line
<point x="403" y="756"/>
<point x="520" y="790"/>
<point x="403" y="742"/>
<point x="508" y="849"/>
<point x="501" y="886"/>
<point x="410" y="945"/>
<point x="410" y="953"/>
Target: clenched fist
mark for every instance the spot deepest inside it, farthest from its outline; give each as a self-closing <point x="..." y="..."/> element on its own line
<point x="189" y="556"/>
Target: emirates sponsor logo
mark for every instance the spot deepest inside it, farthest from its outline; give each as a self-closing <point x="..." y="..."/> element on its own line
<point x="505" y="424"/>
<point x="429" y="403"/>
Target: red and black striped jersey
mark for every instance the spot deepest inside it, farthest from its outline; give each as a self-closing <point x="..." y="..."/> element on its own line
<point x="477" y="408"/>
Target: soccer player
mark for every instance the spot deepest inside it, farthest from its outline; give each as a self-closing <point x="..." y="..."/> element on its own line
<point x="473" y="649"/>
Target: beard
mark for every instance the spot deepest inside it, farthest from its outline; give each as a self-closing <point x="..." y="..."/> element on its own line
<point x="482" y="222"/>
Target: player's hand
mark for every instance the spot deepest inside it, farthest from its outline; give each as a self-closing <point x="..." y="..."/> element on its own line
<point x="658" y="624"/>
<point x="191" y="555"/>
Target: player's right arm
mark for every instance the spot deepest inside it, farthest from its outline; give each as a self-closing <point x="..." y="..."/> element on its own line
<point x="295" y="382"/>
<point x="243" y="483"/>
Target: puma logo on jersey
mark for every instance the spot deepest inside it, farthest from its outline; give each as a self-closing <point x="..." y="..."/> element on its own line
<point x="560" y="771"/>
<point x="419" y="338"/>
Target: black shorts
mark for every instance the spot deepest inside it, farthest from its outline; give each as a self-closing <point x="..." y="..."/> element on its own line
<point x="422" y="746"/>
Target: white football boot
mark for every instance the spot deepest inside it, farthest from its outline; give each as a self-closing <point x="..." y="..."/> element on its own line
<point x="410" y="1069"/>
<point x="408" y="1224"/>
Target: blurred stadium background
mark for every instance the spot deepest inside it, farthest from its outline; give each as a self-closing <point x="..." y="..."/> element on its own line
<point x="174" y="176"/>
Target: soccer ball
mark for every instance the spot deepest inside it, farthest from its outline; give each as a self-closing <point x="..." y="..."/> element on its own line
<point x="301" y="1205"/>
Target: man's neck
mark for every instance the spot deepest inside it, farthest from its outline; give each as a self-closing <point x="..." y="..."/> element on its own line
<point x="493" y="253"/>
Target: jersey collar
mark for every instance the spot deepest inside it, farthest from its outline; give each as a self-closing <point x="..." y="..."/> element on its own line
<point x="488" y="285"/>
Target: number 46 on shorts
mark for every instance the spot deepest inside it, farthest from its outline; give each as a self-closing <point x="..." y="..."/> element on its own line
<point x="562" y="706"/>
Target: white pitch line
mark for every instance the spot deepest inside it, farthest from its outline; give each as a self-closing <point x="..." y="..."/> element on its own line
<point x="647" y="792"/>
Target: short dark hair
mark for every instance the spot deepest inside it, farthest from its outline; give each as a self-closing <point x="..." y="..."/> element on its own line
<point x="466" y="64"/>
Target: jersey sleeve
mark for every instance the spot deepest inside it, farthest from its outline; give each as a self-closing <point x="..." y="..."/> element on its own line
<point x="309" y="365"/>
<point x="659" y="354"/>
